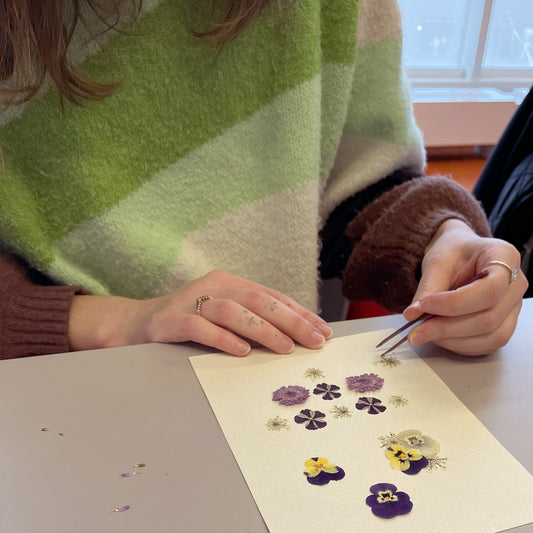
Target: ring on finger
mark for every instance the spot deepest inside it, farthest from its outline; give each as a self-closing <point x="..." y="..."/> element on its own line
<point x="513" y="272"/>
<point x="199" y="302"/>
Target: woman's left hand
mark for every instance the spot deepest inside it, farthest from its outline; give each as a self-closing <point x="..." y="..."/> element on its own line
<point x="474" y="319"/>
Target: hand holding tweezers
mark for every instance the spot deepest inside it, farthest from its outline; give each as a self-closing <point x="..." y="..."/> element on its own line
<point x="422" y="318"/>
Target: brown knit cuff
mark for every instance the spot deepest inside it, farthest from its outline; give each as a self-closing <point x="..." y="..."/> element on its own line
<point x="33" y="317"/>
<point x="390" y="235"/>
<point x="36" y="321"/>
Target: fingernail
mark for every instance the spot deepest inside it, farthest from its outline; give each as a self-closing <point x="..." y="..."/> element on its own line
<point x="317" y="340"/>
<point x="243" y="348"/>
<point x="415" y="305"/>
<point x="416" y="338"/>
<point x="287" y="345"/>
<point x="325" y="330"/>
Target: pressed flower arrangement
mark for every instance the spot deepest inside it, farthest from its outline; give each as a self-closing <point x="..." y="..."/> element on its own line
<point x="408" y="452"/>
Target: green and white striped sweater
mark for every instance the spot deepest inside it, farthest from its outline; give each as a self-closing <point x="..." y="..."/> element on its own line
<point x="203" y="161"/>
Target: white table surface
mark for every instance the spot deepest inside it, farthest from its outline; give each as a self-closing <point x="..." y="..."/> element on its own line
<point x="106" y="410"/>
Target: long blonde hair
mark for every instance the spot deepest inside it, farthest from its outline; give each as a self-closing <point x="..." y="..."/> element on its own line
<point x="35" y="35"/>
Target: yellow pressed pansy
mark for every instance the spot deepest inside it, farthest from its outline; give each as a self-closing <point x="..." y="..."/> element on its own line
<point x="400" y="458"/>
<point x="313" y="467"/>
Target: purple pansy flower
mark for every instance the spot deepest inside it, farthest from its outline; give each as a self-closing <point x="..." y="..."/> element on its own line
<point x="372" y="405"/>
<point x="311" y="419"/>
<point x="416" y="466"/>
<point x="320" y="471"/>
<point x="365" y="383"/>
<point x="328" y="392"/>
<point x="387" y="502"/>
<point x="290" y="395"/>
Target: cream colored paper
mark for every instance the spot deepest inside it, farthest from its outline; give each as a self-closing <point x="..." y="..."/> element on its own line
<point x="483" y="489"/>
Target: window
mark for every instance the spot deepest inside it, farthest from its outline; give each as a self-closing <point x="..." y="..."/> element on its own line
<point x="470" y="62"/>
<point x="471" y="44"/>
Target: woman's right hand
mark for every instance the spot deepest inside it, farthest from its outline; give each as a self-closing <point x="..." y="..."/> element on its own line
<point x="238" y="310"/>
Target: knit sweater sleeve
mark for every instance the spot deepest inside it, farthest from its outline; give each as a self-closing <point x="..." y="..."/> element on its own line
<point x="390" y="234"/>
<point x="33" y="317"/>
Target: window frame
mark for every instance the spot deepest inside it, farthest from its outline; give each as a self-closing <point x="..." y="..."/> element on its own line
<point x="473" y="75"/>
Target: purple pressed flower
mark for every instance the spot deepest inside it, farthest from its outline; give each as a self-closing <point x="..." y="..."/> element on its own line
<point x="311" y="419"/>
<point x="328" y="392"/>
<point x="372" y="405"/>
<point x="416" y="466"/>
<point x="387" y="502"/>
<point x="365" y="382"/>
<point x="320" y="471"/>
<point x="290" y="395"/>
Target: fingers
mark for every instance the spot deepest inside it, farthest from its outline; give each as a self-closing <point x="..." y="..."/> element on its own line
<point x="233" y="312"/>
<point x="474" y="334"/>
<point x="474" y="319"/>
<point x="280" y="301"/>
<point x="442" y="288"/>
<point x="263" y="319"/>
<point x="197" y="329"/>
<point x="223" y="284"/>
<point x="493" y="291"/>
<point x="471" y="318"/>
<point x="450" y="303"/>
<point x="433" y="282"/>
<point x="483" y="343"/>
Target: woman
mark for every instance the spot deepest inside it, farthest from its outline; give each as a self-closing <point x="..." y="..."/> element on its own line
<point x="225" y="139"/>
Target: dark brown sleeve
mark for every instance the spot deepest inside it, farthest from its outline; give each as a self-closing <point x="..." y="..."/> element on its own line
<point x="33" y="317"/>
<point x="390" y="235"/>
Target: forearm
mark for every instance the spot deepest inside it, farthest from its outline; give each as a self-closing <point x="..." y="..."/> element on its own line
<point x="389" y="237"/>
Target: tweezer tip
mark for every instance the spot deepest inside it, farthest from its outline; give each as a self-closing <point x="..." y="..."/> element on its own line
<point x="387" y="352"/>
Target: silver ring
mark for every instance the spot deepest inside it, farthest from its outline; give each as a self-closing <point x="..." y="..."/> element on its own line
<point x="513" y="272"/>
<point x="199" y="302"/>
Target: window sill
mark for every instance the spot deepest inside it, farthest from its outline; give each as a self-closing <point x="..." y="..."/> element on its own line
<point x="463" y="116"/>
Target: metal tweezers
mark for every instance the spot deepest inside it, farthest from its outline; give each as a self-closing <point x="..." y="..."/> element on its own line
<point x="422" y="318"/>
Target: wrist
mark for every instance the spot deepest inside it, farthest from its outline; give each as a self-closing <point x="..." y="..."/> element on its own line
<point x="103" y="322"/>
<point x="451" y="226"/>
